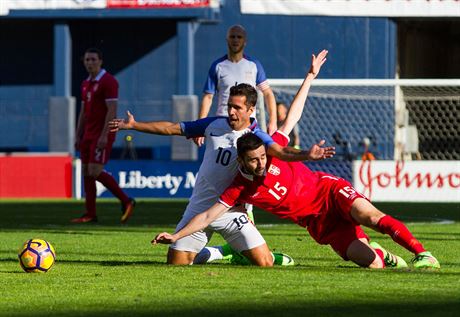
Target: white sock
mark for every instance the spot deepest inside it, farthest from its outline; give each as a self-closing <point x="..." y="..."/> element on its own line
<point x="249" y="209"/>
<point x="209" y="254"/>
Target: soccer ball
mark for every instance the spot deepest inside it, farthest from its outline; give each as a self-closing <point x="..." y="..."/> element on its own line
<point x="36" y="255"/>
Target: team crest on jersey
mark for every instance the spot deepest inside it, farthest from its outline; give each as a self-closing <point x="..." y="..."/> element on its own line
<point x="274" y="170"/>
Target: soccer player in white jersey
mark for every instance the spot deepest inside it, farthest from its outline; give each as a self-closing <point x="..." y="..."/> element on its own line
<point x="217" y="171"/>
<point x="233" y="68"/>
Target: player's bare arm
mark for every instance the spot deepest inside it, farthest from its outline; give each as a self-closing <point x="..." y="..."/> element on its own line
<point x="206" y="103"/>
<point x="110" y="115"/>
<point x="199" y="222"/>
<point x="80" y="127"/>
<point x="153" y="127"/>
<point x="269" y="98"/>
<point x="298" y="104"/>
<point x="289" y="154"/>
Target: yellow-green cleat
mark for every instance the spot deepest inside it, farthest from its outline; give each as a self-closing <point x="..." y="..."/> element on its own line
<point x="425" y="260"/>
<point x="278" y="259"/>
<point x="282" y="259"/>
<point x="390" y="259"/>
<point x="237" y="258"/>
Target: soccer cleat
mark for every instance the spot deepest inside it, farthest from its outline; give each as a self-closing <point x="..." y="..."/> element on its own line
<point x="128" y="210"/>
<point x="282" y="259"/>
<point x="278" y="259"/>
<point x="425" y="260"/>
<point x="227" y="251"/>
<point x="390" y="259"/>
<point x="84" y="219"/>
<point x="239" y="259"/>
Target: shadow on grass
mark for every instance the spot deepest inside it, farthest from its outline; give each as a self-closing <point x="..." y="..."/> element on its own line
<point x="102" y="263"/>
<point x="41" y="214"/>
<point x="298" y="306"/>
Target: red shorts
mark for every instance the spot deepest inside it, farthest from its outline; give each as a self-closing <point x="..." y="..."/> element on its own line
<point x="90" y="154"/>
<point x="335" y="225"/>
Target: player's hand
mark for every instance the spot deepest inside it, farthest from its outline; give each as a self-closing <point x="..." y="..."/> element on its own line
<point x="272" y="127"/>
<point x="198" y="140"/>
<point x="317" y="62"/>
<point x="318" y="152"/>
<point x="164" y="238"/>
<point x="122" y="124"/>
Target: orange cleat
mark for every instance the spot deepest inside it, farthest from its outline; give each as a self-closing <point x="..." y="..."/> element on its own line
<point x="128" y="210"/>
<point x="85" y="219"/>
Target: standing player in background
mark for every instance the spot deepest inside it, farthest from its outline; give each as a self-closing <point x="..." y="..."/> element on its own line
<point x="99" y="94"/>
<point x="294" y="137"/>
<point x="235" y="68"/>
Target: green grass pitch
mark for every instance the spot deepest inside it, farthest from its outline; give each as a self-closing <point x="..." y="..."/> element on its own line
<point x="108" y="269"/>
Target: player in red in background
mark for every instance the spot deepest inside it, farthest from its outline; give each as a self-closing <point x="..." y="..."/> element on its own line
<point x="99" y="95"/>
<point x="328" y="206"/>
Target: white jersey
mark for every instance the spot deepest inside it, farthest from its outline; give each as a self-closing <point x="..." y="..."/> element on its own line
<point x="224" y="74"/>
<point x="220" y="165"/>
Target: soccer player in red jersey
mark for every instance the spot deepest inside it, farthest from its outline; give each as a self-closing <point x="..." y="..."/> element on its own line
<point x="328" y="206"/>
<point x="99" y="95"/>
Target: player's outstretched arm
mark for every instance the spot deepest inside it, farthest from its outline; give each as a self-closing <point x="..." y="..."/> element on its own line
<point x="270" y="101"/>
<point x="320" y="152"/>
<point x="298" y="104"/>
<point x="199" y="222"/>
<point x="289" y="154"/>
<point x="153" y="127"/>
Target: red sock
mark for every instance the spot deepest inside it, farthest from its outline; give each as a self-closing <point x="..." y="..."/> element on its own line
<point x="380" y="255"/>
<point x="108" y="181"/>
<point x="90" y="195"/>
<point x="400" y="234"/>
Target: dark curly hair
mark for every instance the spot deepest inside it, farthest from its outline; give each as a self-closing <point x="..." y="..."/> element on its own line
<point x="245" y="90"/>
<point x="248" y="142"/>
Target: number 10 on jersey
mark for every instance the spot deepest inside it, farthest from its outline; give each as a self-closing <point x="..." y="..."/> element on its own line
<point x="223" y="156"/>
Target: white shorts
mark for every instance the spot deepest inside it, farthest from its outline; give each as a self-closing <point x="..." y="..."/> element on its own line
<point x="234" y="226"/>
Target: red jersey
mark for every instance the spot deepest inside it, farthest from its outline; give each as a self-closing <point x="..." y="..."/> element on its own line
<point x="288" y="189"/>
<point x="94" y="94"/>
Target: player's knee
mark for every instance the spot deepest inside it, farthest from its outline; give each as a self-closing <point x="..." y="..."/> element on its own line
<point x="176" y="257"/>
<point x="93" y="174"/>
<point x="266" y="260"/>
<point x="260" y="256"/>
<point x="366" y="214"/>
<point x="375" y="218"/>
<point x="265" y="263"/>
<point x="377" y="263"/>
<point x="94" y="170"/>
<point x="363" y="255"/>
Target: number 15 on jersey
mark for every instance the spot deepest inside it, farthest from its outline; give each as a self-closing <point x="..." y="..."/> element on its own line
<point x="278" y="191"/>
